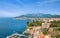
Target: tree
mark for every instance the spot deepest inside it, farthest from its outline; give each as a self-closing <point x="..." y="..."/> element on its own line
<point x="34" y="23"/>
<point x="55" y="24"/>
<point x="45" y="31"/>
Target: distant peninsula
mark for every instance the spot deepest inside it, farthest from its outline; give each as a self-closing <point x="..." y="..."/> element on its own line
<point x="39" y="15"/>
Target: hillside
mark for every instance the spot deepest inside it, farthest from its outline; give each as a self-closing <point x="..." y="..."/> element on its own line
<point x="40" y="15"/>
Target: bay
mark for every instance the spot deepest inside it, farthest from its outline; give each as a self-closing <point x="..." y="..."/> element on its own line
<point x="9" y="26"/>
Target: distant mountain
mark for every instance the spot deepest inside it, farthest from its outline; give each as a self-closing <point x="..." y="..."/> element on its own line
<point x="39" y="15"/>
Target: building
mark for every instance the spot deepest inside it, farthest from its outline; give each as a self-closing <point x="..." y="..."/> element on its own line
<point x="47" y="36"/>
<point x="45" y="25"/>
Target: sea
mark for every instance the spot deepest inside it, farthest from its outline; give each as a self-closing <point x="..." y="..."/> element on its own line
<point x="9" y="26"/>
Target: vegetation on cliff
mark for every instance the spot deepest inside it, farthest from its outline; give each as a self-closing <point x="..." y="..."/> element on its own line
<point x="34" y="23"/>
<point x="55" y="24"/>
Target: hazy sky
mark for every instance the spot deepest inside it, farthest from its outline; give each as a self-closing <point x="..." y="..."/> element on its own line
<point x="12" y="8"/>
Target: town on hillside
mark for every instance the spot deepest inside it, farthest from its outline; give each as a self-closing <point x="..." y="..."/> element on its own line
<point x="41" y="28"/>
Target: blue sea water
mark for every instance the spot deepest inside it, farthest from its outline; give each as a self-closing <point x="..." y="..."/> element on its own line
<point x="9" y="26"/>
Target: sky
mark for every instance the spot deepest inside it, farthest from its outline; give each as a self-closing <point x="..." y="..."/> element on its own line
<point x="13" y="8"/>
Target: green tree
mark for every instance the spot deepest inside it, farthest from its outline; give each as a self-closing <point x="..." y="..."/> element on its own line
<point x="55" y="24"/>
<point x="45" y="31"/>
<point x="34" y="23"/>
